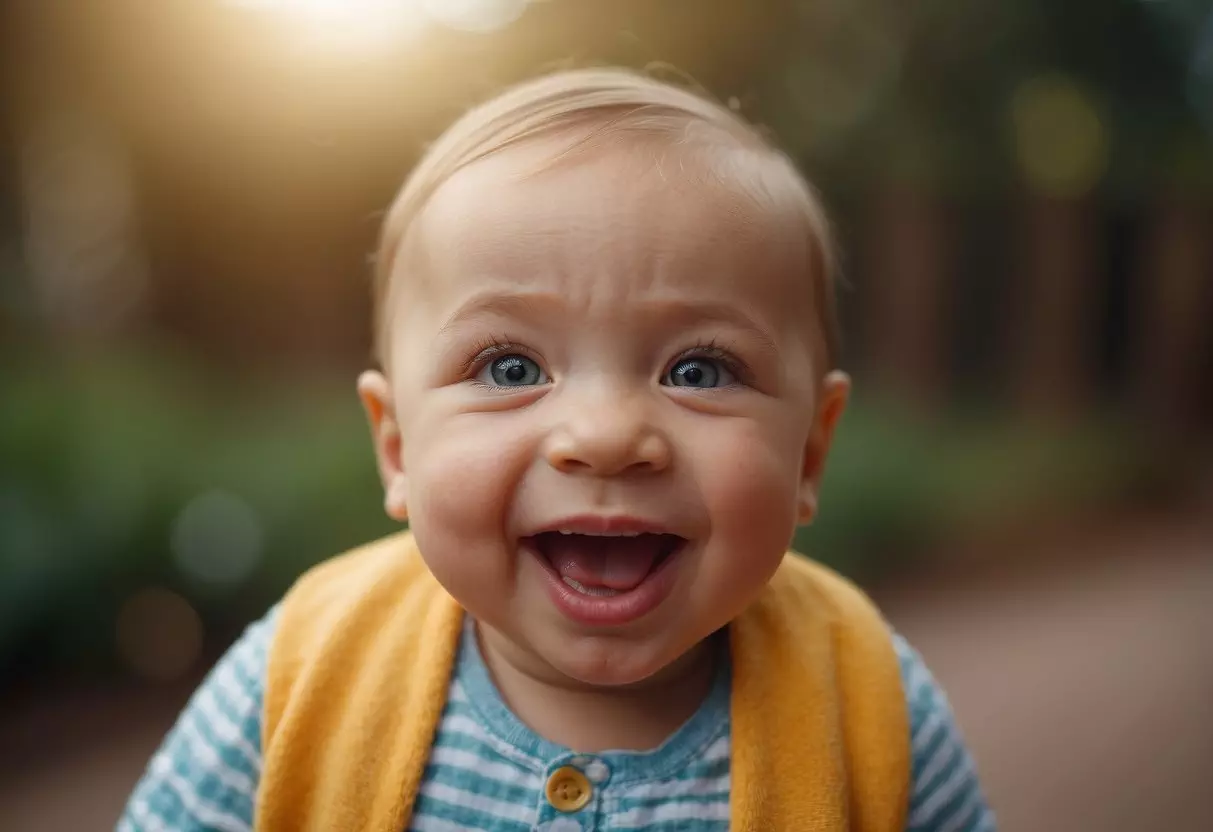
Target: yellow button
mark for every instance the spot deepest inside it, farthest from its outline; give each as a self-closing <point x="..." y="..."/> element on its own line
<point x="568" y="790"/>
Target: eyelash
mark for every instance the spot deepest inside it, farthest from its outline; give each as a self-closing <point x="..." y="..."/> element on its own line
<point x="710" y="349"/>
<point x="485" y="350"/>
<point x="488" y="348"/>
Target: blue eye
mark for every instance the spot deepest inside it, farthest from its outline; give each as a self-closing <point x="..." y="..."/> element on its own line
<point x="699" y="372"/>
<point x="512" y="371"/>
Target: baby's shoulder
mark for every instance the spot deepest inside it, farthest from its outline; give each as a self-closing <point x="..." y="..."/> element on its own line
<point x="205" y="773"/>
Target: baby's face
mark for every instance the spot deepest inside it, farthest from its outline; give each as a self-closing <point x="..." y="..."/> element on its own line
<point x="609" y="411"/>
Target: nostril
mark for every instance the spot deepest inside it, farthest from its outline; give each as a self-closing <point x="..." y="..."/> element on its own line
<point x="571" y="464"/>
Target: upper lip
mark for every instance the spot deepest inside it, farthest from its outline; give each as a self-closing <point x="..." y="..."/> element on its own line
<point x="603" y="525"/>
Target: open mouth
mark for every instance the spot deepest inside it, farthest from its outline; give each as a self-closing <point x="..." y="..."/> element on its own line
<point x="604" y="566"/>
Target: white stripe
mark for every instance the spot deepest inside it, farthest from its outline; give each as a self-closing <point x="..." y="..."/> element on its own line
<point x="464" y="726"/>
<point x="225" y="730"/>
<point x="242" y="668"/>
<point x="665" y="812"/>
<point x="249" y="652"/>
<point x="201" y="750"/>
<point x="943" y="795"/>
<point x="943" y="758"/>
<point x="469" y="729"/>
<point x="478" y="803"/>
<point x="211" y="816"/>
<point x="148" y="822"/>
<point x="429" y="823"/>
<point x="457" y="694"/>
<point x="235" y="693"/>
<point x="926" y="732"/>
<point x="675" y="789"/>
<point x="922" y="686"/>
<point x="717" y="751"/>
<point x="480" y="767"/>
<point x="964" y="814"/>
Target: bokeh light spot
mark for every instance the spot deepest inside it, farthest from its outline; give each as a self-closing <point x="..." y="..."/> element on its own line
<point x="159" y="635"/>
<point x="217" y="539"/>
<point x="82" y="241"/>
<point x="1060" y="139"/>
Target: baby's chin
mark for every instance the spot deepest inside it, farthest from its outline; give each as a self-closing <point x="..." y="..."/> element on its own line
<point x="612" y="676"/>
<point x="620" y="666"/>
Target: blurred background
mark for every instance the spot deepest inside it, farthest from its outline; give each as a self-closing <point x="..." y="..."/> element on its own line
<point x="189" y="193"/>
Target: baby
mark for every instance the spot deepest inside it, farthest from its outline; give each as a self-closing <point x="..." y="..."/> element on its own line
<point x="609" y="382"/>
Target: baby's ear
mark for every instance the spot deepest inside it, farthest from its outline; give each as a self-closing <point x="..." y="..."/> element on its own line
<point x="832" y="396"/>
<point x="376" y="395"/>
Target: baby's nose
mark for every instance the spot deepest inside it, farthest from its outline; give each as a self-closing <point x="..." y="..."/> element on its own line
<point x="607" y="442"/>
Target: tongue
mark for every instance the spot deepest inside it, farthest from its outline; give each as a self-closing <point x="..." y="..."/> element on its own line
<point x="618" y="563"/>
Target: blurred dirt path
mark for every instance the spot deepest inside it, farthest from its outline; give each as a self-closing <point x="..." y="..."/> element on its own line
<point x="1085" y="690"/>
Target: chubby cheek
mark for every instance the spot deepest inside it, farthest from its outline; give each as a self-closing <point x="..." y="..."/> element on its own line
<point x="461" y="478"/>
<point x="750" y="486"/>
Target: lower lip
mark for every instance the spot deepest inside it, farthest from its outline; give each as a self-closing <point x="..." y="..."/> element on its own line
<point x="614" y="610"/>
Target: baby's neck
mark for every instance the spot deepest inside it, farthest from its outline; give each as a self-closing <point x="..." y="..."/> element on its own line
<point x="595" y="719"/>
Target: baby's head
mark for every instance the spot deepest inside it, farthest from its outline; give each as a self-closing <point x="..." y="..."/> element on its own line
<point x="605" y="317"/>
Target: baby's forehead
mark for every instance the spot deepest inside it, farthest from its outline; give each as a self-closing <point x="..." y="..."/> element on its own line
<point x="635" y="200"/>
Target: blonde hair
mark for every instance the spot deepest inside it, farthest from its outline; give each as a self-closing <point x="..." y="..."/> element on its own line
<point x="611" y="101"/>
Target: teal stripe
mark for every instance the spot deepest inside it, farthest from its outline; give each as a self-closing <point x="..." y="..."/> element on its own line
<point x="707" y="771"/>
<point x="472" y="781"/>
<point x="476" y="744"/>
<point x="686" y="825"/>
<point x="937" y="769"/>
<point x="627" y="803"/>
<point x="947" y="794"/>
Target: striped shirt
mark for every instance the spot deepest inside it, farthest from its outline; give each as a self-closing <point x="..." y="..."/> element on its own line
<point x="488" y="771"/>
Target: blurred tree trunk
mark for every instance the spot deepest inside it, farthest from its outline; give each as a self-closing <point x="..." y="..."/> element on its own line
<point x="1053" y="309"/>
<point x="906" y="295"/>
<point x="1175" y="282"/>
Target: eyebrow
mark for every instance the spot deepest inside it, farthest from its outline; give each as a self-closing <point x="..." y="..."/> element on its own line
<point x="494" y="303"/>
<point x="722" y="313"/>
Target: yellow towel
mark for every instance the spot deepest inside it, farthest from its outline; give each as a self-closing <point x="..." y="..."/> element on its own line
<point x="365" y="645"/>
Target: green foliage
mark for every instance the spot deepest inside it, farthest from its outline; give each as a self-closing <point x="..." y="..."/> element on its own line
<point x="99" y="463"/>
<point x="897" y="484"/>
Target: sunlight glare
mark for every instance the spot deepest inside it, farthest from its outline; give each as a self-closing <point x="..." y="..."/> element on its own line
<point x="347" y="23"/>
<point x="475" y="15"/>
<point x="361" y="23"/>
